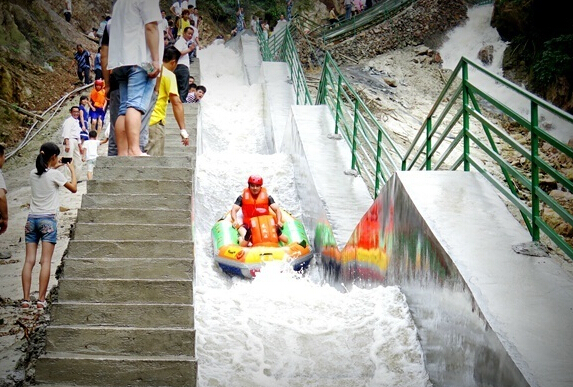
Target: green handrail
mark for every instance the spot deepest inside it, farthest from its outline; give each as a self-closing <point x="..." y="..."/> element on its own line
<point x="280" y="46"/>
<point x="375" y="155"/>
<point x="374" y="15"/>
<point x="451" y="135"/>
<point x="458" y="113"/>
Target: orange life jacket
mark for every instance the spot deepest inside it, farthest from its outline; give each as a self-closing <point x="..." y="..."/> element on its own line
<point x="254" y="206"/>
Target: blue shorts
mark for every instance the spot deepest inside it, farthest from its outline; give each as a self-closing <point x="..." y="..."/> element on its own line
<point x="99" y="113"/>
<point x="135" y="88"/>
<point x="41" y="227"/>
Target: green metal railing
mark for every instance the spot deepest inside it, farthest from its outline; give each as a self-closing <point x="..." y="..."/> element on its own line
<point x="280" y="47"/>
<point x="457" y="129"/>
<point x="375" y="156"/>
<point x="456" y="132"/>
<point x="375" y="15"/>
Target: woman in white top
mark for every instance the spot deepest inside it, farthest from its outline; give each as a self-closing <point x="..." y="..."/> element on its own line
<point x="41" y="224"/>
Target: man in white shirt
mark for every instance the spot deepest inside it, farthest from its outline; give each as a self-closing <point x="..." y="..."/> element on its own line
<point x="164" y="25"/>
<point x="178" y="6"/>
<point x="135" y="52"/>
<point x="71" y="138"/>
<point x="194" y="15"/>
<point x="185" y="45"/>
<point x="195" y="41"/>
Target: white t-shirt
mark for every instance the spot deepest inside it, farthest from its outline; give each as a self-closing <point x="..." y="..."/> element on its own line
<point x="71" y="128"/>
<point x="181" y="44"/>
<point x="195" y="34"/>
<point x="179" y="8"/>
<point x="91" y="149"/>
<point x="127" y="46"/>
<point x="163" y="25"/>
<point x="45" y="198"/>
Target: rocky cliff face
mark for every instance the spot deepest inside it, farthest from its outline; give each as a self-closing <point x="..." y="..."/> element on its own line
<point x="541" y="51"/>
<point x="36" y="50"/>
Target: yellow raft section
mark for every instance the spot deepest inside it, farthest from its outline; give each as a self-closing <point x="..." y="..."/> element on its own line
<point x="246" y="261"/>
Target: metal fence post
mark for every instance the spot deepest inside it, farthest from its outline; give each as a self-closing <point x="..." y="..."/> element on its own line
<point x="535" y="207"/>
<point x="337" y="118"/>
<point x="466" y="119"/>
<point x="428" y="144"/>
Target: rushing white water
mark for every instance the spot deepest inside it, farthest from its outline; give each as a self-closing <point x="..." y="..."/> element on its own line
<point x="477" y="33"/>
<point x="282" y="328"/>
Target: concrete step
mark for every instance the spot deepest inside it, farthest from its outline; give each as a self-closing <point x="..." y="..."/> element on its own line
<point x="126" y="290"/>
<point x="130" y="249"/>
<point x="176" y="150"/>
<point x="139" y="186"/>
<point x="116" y="371"/>
<point x="132" y="230"/>
<point x="142" y="173"/>
<point x="134" y="215"/>
<point x="179" y="162"/>
<point x="123" y="315"/>
<point x="176" y="140"/>
<point x="124" y="268"/>
<point x="136" y="201"/>
<point x="119" y="341"/>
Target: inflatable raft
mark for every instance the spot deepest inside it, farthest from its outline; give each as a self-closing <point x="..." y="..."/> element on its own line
<point x="236" y="260"/>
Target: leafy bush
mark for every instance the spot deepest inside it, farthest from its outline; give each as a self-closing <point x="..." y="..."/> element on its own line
<point x="556" y="59"/>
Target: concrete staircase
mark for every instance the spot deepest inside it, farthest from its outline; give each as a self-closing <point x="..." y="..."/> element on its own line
<point x="124" y="311"/>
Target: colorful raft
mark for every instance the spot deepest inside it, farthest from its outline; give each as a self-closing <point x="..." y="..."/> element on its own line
<point x="247" y="261"/>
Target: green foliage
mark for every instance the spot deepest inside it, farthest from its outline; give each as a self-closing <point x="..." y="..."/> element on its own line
<point x="224" y="10"/>
<point x="221" y="11"/>
<point x="556" y="60"/>
<point x="524" y="47"/>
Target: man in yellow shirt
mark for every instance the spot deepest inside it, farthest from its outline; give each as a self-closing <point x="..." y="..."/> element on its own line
<point x="167" y="91"/>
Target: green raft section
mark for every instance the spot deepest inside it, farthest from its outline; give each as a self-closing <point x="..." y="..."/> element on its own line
<point x="223" y="233"/>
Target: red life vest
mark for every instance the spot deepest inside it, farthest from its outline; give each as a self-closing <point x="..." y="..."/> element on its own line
<point x="254" y="206"/>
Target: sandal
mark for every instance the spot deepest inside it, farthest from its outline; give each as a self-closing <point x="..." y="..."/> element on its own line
<point x="41" y="304"/>
<point x="25" y="304"/>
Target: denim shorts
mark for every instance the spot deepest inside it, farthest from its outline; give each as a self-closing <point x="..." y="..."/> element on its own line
<point x="135" y="88"/>
<point x="41" y="227"/>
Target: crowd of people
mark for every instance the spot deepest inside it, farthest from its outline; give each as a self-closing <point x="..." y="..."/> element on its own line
<point x="138" y="72"/>
<point x="132" y="74"/>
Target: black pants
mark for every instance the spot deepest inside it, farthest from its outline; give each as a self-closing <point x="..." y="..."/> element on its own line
<point x="84" y="75"/>
<point x="182" y="76"/>
<point x="68" y="16"/>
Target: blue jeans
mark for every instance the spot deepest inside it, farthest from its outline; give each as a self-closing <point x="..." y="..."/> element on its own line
<point x="348" y="11"/>
<point x="41" y="227"/>
<point x="135" y="88"/>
